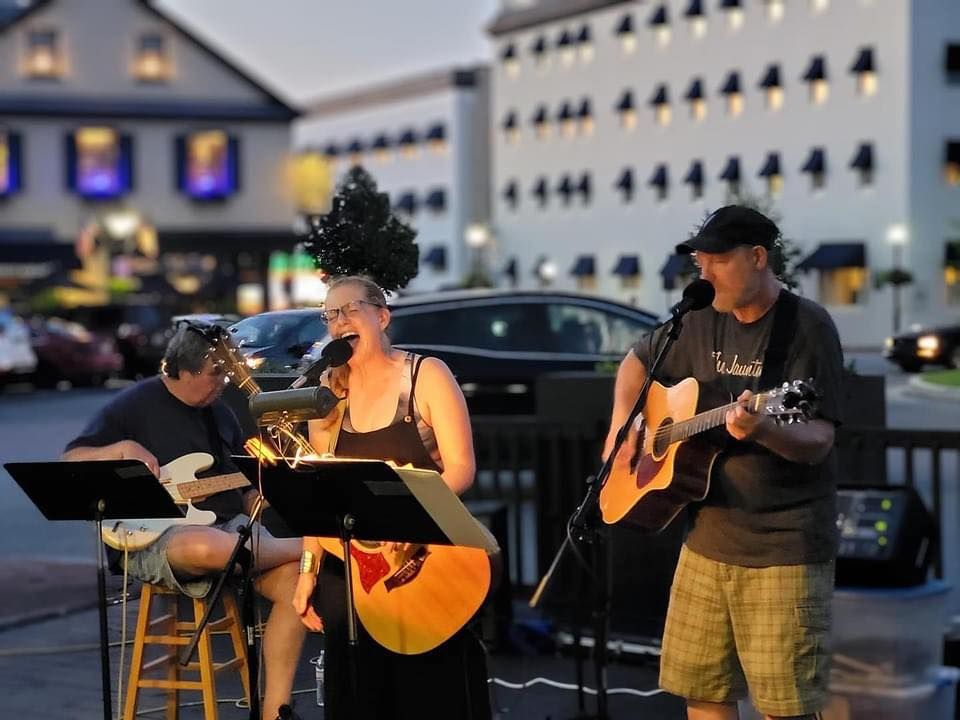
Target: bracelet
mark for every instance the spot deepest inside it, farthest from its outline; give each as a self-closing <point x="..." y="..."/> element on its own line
<point x="308" y="563"/>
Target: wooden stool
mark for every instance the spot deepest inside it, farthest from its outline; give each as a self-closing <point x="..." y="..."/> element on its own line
<point x="176" y="633"/>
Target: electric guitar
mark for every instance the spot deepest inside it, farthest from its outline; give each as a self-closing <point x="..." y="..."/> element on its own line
<point x="665" y="472"/>
<point x="409" y="600"/>
<point x="179" y="478"/>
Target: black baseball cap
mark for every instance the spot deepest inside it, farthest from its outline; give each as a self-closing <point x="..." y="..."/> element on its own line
<point x="729" y="227"/>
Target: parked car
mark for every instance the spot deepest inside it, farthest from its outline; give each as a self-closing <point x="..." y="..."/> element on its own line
<point x="275" y="341"/>
<point x="925" y="346"/>
<point x="17" y="359"/>
<point x="68" y="351"/>
<point x="498" y="342"/>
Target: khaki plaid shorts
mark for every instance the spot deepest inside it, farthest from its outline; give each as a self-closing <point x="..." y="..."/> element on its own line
<point x="733" y="629"/>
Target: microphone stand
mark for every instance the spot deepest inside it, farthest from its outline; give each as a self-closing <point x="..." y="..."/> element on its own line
<point x="586" y="526"/>
<point x="246" y="597"/>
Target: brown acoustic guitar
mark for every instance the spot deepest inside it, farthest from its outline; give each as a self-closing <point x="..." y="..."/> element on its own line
<point x="672" y="458"/>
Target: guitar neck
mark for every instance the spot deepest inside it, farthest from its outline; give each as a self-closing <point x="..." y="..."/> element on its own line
<point x="701" y="422"/>
<point x="204" y="487"/>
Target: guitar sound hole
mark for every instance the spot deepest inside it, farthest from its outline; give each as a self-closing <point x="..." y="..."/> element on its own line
<point x="661" y="439"/>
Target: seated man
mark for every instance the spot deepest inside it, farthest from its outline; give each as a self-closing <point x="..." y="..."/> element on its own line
<point x="162" y="418"/>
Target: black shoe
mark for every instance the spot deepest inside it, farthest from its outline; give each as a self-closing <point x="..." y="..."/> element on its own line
<point x="285" y="712"/>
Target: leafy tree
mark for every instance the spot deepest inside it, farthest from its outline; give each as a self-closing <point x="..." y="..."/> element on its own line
<point x="361" y="235"/>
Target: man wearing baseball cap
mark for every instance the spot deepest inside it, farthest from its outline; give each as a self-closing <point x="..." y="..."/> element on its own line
<point x="750" y="603"/>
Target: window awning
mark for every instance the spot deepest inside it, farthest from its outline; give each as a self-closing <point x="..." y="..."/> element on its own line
<point x="540" y="116"/>
<point x="660" y="177"/>
<point x="510" y="269"/>
<point x="695" y="91"/>
<point x="355" y="146"/>
<point x="510" y="121"/>
<point x="771" y="167"/>
<point x="816" y="162"/>
<point x="35" y="246"/>
<point x="729" y="4"/>
<point x="566" y="186"/>
<point x="625" y="181"/>
<point x="661" y="95"/>
<point x="436" y="257"/>
<point x="863" y="159"/>
<point x="564" y="39"/>
<point x="584" y="35"/>
<point x="951" y="254"/>
<point x="584" y="186"/>
<point x="694" y="174"/>
<point x="509" y="52"/>
<point x="694" y="9"/>
<point x="731" y="172"/>
<point x="539" y="46"/>
<point x="817" y="69"/>
<point x="585" y="110"/>
<point x="436" y="200"/>
<point x="829" y="256"/>
<point x="864" y="62"/>
<point x="659" y="16"/>
<point x="732" y="84"/>
<point x="675" y="266"/>
<point x="585" y="266"/>
<point x="952" y="152"/>
<point x="771" y="79"/>
<point x="627" y="266"/>
<point x="408" y="137"/>
<point x="540" y="188"/>
<point x="625" y="26"/>
<point x="381" y="142"/>
<point x="332" y="150"/>
<point x="626" y="101"/>
<point x="407" y="202"/>
<point x="437" y="132"/>
<point x="565" y="113"/>
<point x="951" y="58"/>
<point x="510" y="192"/>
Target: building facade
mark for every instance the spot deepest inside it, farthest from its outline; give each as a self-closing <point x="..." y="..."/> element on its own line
<point x="132" y="149"/>
<point x="425" y="142"/>
<point x="617" y="126"/>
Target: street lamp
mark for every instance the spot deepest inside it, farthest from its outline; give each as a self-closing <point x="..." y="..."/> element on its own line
<point x="477" y="238"/>
<point x="897" y="236"/>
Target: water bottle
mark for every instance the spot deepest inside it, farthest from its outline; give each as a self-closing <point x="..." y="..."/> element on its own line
<point x="318" y="668"/>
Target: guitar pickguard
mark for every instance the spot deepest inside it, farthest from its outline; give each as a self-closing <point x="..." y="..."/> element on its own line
<point x="372" y="567"/>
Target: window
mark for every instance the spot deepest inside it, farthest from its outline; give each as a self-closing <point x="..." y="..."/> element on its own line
<point x="436" y="138"/>
<point x="733" y="9"/>
<point x="585" y="44"/>
<point x="625" y="109"/>
<point x="539" y="51"/>
<point x="696" y="18"/>
<point x="951" y="271"/>
<point x="566" y="49"/>
<point x="511" y="129"/>
<point x="99" y="163"/>
<point x="694" y="178"/>
<point x="660" y="182"/>
<point x="585" y="117"/>
<point x="628" y="270"/>
<point x="865" y="71"/>
<point x="731" y="174"/>
<point x="625" y="184"/>
<point x="862" y="163"/>
<point x="44" y="59"/>
<point x="511" y="196"/>
<point x="698" y="106"/>
<point x="625" y="33"/>
<point x="151" y="63"/>
<point x="583" y="329"/>
<point x="816" y="78"/>
<point x="585" y="271"/>
<point x="406" y="203"/>
<point x="772" y="88"/>
<point x="660" y="24"/>
<point x="10" y="168"/>
<point x="771" y="173"/>
<point x="381" y="148"/>
<point x="951" y="63"/>
<point x="775" y="10"/>
<point x="951" y="164"/>
<point x="816" y="167"/>
<point x="511" y="63"/>
<point x="408" y="143"/>
<point x="540" y="191"/>
<point x="541" y="127"/>
<point x="209" y="165"/>
<point x="502" y="327"/>
<point x="842" y="286"/>
<point x="355" y="150"/>
<point x="731" y="91"/>
<point x="660" y="101"/>
<point x="566" y="121"/>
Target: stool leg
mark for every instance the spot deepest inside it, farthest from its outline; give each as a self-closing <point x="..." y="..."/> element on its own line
<point x="136" y="657"/>
<point x="205" y="655"/>
<point x="236" y="637"/>
<point x="173" y="666"/>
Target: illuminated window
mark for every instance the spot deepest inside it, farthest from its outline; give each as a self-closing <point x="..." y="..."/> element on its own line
<point x="660" y="101"/>
<point x="951" y="271"/>
<point x="660" y="182"/>
<point x="511" y="63"/>
<point x="539" y="51"/>
<point x="731" y="174"/>
<point x="694" y="178"/>
<point x="626" y="111"/>
<point x="816" y="167"/>
<point x="152" y="61"/>
<point x="816" y="77"/>
<point x="99" y="162"/>
<point x="819" y="6"/>
<point x="660" y="24"/>
<point x="862" y="163"/>
<point x="733" y="9"/>
<point x="436" y="138"/>
<point x="842" y="286"/>
<point x="951" y="162"/>
<point x="771" y="173"/>
<point x="209" y="165"/>
<point x="696" y="18"/>
<point x="585" y="271"/>
<point x="585" y="44"/>
<point x="866" y="72"/>
<point x="312" y="182"/>
<point x="540" y="125"/>
<point x="565" y="49"/>
<point x="511" y="195"/>
<point x="408" y="143"/>
<point x="44" y="59"/>
<point x="10" y="178"/>
<point x="731" y="91"/>
<point x="540" y="191"/>
<point x="565" y="119"/>
<point x="511" y="128"/>
<point x="381" y="148"/>
<point x="772" y="88"/>
<point x="698" y="105"/>
<point x="625" y="184"/>
<point x="565" y="189"/>
<point x="585" y="117"/>
<point x="626" y="34"/>
<point x="775" y="10"/>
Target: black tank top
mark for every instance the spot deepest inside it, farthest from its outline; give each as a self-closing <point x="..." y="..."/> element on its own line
<point x="400" y="441"/>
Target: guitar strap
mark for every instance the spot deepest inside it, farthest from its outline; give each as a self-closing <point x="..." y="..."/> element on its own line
<point x="784" y="327"/>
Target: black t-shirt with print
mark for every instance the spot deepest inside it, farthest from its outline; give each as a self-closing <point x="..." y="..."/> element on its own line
<point x="761" y="510"/>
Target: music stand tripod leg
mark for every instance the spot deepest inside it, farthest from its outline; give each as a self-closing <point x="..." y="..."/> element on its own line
<point x="102" y="610"/>
<point x="347" y="524"/>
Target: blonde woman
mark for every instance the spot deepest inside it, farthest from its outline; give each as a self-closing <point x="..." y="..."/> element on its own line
<point x="408" y="409"/>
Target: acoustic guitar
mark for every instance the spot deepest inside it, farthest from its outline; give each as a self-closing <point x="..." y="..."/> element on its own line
<point x="650" y="484"/>
<point x="179" y="478"/>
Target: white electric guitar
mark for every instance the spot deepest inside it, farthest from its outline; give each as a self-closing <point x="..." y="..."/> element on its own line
<point x="179" y="478"/>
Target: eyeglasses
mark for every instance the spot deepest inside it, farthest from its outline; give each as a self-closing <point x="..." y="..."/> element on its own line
<point x="349" y="309"/>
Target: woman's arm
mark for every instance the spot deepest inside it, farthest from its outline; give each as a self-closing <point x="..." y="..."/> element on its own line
<point x="444" y="409"/>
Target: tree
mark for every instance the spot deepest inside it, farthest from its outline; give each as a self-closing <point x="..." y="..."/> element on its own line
<point x="361" y="235"/>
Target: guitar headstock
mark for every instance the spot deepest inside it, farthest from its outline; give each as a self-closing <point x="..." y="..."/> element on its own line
<point x="225" y="354"/>
<point x="790" y="403"/>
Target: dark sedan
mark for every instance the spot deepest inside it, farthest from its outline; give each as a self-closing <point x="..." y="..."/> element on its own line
<point x="275" y="342"/>
<point x="927" y="346"/>
<point x="68" y="351"/>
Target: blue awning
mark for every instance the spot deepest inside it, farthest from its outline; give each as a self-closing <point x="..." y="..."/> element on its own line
<point x="863" y="160"/>
<point x="659" y="178"/>
<point x="659" y="16"/>
<point x="436" y="200"/>
<point x="585" y="266"/>
<point x="676" y="266"/>
<point x="437" y="132"/>
<point x="380" y="142"/>
<point x="564" y="39"/>
<point x="510" y="120"/>
<point x="817" y="69"/>
<point x="408" y="137"/>
<point x="661" y="95"/>
<point x="626" y="101"/>
<point x="625" y="26"/>
<point x="627" y="266"/>
<point x="695" y="91"/>
<point x="510" y="193"/>
<point x="539" y="46"/>
<point x="540" y="116"/>
<point x="828" y="256"/>
<point x="355" y="146"/>
<point x="732" y="84"/>
<point x="772" y="165"/>
<point x="566" y="186"/>
<point x="625" y="181"/>
<point x="816" y="162"/>
<point x="731" y="172"/>
<point x="584" y="35"/>
<point x="510" y="269"/>
<point x="694" y="174"/>
<point x="540" y="189"/>
<point x="694" y="9"/>
<point x="407" y="202"/>
<point x="771" y="78"/>
<point x="436" y="257"/>
<point x="585" y="186"/>
<point x="864" y="61"/>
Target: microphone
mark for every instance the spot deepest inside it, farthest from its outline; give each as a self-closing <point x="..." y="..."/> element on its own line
<point x="696" y="296"/>
<point x="334" y="354"/>
<point x="269" y="408"/>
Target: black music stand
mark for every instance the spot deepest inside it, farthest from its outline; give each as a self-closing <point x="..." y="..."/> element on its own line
<point x="95" y="490"/>
<point x="369" y="500"/>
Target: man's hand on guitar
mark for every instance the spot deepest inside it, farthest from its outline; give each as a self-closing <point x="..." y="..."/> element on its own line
<point x="742" y="424"/>
<point x="131" y="450"/>
<point x="303" y="602"/>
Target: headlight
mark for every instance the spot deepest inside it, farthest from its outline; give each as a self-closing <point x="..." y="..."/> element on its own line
<point x="254" y="362"/>
<point x="928" y="342"/>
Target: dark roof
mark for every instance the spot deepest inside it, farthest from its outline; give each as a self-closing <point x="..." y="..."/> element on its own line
<point x="511" y="19"/>
<point x="510" y="120"/>
<point x="436" y="132"/>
